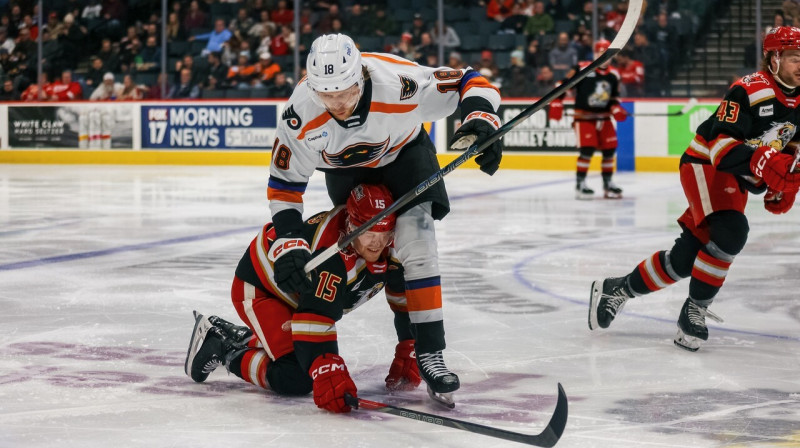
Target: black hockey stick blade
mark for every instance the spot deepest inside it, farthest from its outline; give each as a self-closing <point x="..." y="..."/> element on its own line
<point x="623" y="35"/>
<point x="547" y="438"/>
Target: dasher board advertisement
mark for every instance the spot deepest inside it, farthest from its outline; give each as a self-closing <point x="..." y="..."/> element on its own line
<point x="71" y="126"/>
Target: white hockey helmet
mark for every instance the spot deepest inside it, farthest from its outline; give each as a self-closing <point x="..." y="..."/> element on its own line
<point x="334" y="64"/>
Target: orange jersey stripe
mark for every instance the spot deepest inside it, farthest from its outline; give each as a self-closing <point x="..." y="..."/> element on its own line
<point x="388" y="59"/>
<point x="284" y="195"/>
<point x="315" y="123"/>
<point x="478" y="81"/>
<point x="388" y="108"/>
<point x="424" y="299"/>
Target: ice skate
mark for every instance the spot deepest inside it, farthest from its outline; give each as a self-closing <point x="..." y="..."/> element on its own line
<point x="692" y="326"/>
<point x="607" y="299"/>
<point x="612" y="191"/>
<point x="238" y="333"/>
<point x="582" y="191"/>
<point x="440" y="380"/>
<point x="209" y="348"/>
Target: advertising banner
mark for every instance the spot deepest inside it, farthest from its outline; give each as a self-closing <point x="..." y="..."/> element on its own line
<point x="212" y="126"/>
<point x="84" y="126"/>
<point x="682" y="128"/>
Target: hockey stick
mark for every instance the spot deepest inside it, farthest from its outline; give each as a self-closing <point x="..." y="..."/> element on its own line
<point x="547" y="438"/>
<point x="686" y="108"/>
<point x="624" y="34"/>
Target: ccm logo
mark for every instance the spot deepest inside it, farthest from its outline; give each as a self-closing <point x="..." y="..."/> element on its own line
<point x="492" y="119"/>
<point x="288" y="245"/>
<point x="762" y="162"/>
<point x="330" y="368"/>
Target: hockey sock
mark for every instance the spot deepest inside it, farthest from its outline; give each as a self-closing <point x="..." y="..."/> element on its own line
<point x="708" y="273"/>
<point x="607" y="166"/>
<point x="424" y="298"/>
<point x="584" y="158"/>
<point x="652" y="274"/>
<point x="251" y="366"/>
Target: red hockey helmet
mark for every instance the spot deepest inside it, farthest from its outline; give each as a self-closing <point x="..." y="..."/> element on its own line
<point x="782" y="38"/>
<point x="601" y="45"/>
<point x="366" y="201"/>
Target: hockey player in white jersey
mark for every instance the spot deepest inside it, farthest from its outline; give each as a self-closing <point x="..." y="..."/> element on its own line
<point x="359" y="118"/>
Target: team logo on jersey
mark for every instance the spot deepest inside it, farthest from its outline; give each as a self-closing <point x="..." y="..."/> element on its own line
<point x="778" y="136"/>
<point x="292" y="119"/>
<point x="409" y="87"/>
<point x="601" y="95"/>
<point x="766" y="111"/>
<point x="356" y="155"/>
<point x="755" y="78"/>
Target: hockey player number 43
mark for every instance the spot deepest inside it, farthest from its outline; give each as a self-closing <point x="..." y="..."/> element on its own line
<point x="728" y="111"/>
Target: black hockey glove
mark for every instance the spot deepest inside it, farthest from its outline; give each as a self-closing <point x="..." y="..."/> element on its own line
<point x="289" y="256"/>
<point x="474" y="130"/>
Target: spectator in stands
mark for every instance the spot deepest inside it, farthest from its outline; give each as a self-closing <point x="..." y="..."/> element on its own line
<point x="73" y="40"/>
<point x="545" y="81"/>
<point x="65" y="89"/>
<point x="31" y="26"/>
<point x="9" y="92"/>
<point x="150" y="57"/>
<point x="185" y="89"/>
<point x="280" y="87"/>
<point x="631" y="73"/>
<point x="664" y="38"/>
<point x="6" y="42"/>
<point x="517" y="78"/>
<point x="305" y="40"/>
<point x="282" y="14"/>
<point x="187" y="61"/>
<point x="325" y="23"/>
<point x="791" y="9"/>
<point x="216" y="38"/>
<point x="267" y="68"/>
<point x="109" y="55"/>
<point x="256" y="7"/>
<point x="556" y="10"/>
<point x="562" y="57"/>
<point x="540" y="23"/>
<point x="498" y="10"/>
<point x="242" y="23"/>
<point x="92" y="12"/>
<point x="36" y="92"/>
<point x="654" y="77"/>
<point x="425" y="48"/>
<point x="129" y="90"/>
<point x="114" y="13"/>
<point x="155" y="91"/>
<point x="218" y="72"/>
<point x="241" y="75"/>
<point x="450" y="38"/>
<point x="383" y="24"/>
<point x="615" y="17"/>
<point x="403" y="47"/>
<point x="53" y="25"/>
<point x="95" y="74"/>
<point x="418" y="27"/>
<point x="516" y="21"/>
<point x="52" y="53"/>
<point x="196" y="19"/>
<point x="264" y="27"/>
<point x="25" y="44"/>
<point x="583" y="44"/>
<point x="283" y="43"/>
<point x="487" y="61"/>
<point x="455" y="61"/>
<point x="337" y="27"/>
<point x="175" y="31"/>
<point x="6" y="64"/>
<point x="358" y="23"/>
<point x="107" y="90"/>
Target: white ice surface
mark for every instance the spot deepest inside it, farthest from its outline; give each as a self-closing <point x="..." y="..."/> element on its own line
<point x="101" y="267"/>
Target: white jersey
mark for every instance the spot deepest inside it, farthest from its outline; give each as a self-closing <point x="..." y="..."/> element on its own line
<point x="402" y="95"/>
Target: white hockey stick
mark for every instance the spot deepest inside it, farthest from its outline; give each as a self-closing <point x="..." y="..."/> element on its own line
<point x="685" y="109"/>
<point x="624" y="34"/>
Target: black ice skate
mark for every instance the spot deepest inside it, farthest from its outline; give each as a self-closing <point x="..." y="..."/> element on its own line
<point x="238" y="333"/>
<point x="582" y="191"/>
<point x="209" y="348"/>
<point x="607" y="299"/>
<point x="692" y="325"/>
<point x="440" y="380"/>
<point x="612" y="191"/>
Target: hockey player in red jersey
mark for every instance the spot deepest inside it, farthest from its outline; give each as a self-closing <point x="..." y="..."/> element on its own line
<point x="746" y="146"/>
<point x="359" y="118"/>
<point x="596" y="102"/>
<point x="290" y="343"/>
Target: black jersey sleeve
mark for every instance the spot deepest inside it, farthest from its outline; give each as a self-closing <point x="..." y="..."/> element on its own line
<point x="731" y="124"/>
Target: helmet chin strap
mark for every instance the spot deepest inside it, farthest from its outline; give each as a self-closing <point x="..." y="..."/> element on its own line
<point x="778" y="69"/>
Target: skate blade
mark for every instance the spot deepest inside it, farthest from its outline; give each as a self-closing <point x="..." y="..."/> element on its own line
<point x="594" y="299"/>
<point x="201" y="327"/>
<point x="685" y="342"/>
<point x="609" y="195"/>
<point x="584" y="196"/>
<point x="445" y="399"/>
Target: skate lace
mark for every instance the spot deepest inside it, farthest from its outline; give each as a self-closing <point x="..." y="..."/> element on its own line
<point x="697" y="314"/>
<point x="615" y="301"/>
<point x="433" y="364"/>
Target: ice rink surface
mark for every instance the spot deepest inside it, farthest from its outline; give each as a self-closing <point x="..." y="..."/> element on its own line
<point x="101" y="267"/>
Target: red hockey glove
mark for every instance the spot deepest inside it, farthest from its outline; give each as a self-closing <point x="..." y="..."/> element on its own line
<point x="289" y="257"/>
<point x="773" y="166"/>
<point x="404" y="372"/>
<point x="618" y="112"/>
<point x="331" y="383"/>
<point x="779" y="202"/>
<point x="475" y="128"/>
<point x="556" y="110"/>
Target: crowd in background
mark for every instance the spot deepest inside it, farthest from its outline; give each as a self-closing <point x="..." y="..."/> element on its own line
<point x="111" y="49"/>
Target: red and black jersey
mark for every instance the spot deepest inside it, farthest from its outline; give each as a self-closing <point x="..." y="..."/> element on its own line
<point x="341" y="283"/>
<point x="596" y="93"/>
<point x="755" y="112"/>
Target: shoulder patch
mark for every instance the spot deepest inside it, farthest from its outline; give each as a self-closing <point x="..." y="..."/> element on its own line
<point x="409" y="87"/>
<point x="292" y="119"/>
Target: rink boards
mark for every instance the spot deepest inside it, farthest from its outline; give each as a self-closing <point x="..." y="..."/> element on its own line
<point x="241" y="132"/>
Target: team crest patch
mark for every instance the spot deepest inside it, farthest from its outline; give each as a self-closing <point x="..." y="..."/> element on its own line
<point x="409" y="87"/>
<point x="292" y="119"/>
<point x="356" y="155"/>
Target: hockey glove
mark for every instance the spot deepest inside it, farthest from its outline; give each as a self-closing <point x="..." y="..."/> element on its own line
<point x="331" y="383"/>
<point x="778" y="202"/>
<point x="773" y="166"/>
<point x="475" y="128"/>
<point x="556" y="110"/>
<point x="289" y="256"/>
<point x="618" y="113"/>
<point x="404" y="372"/>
